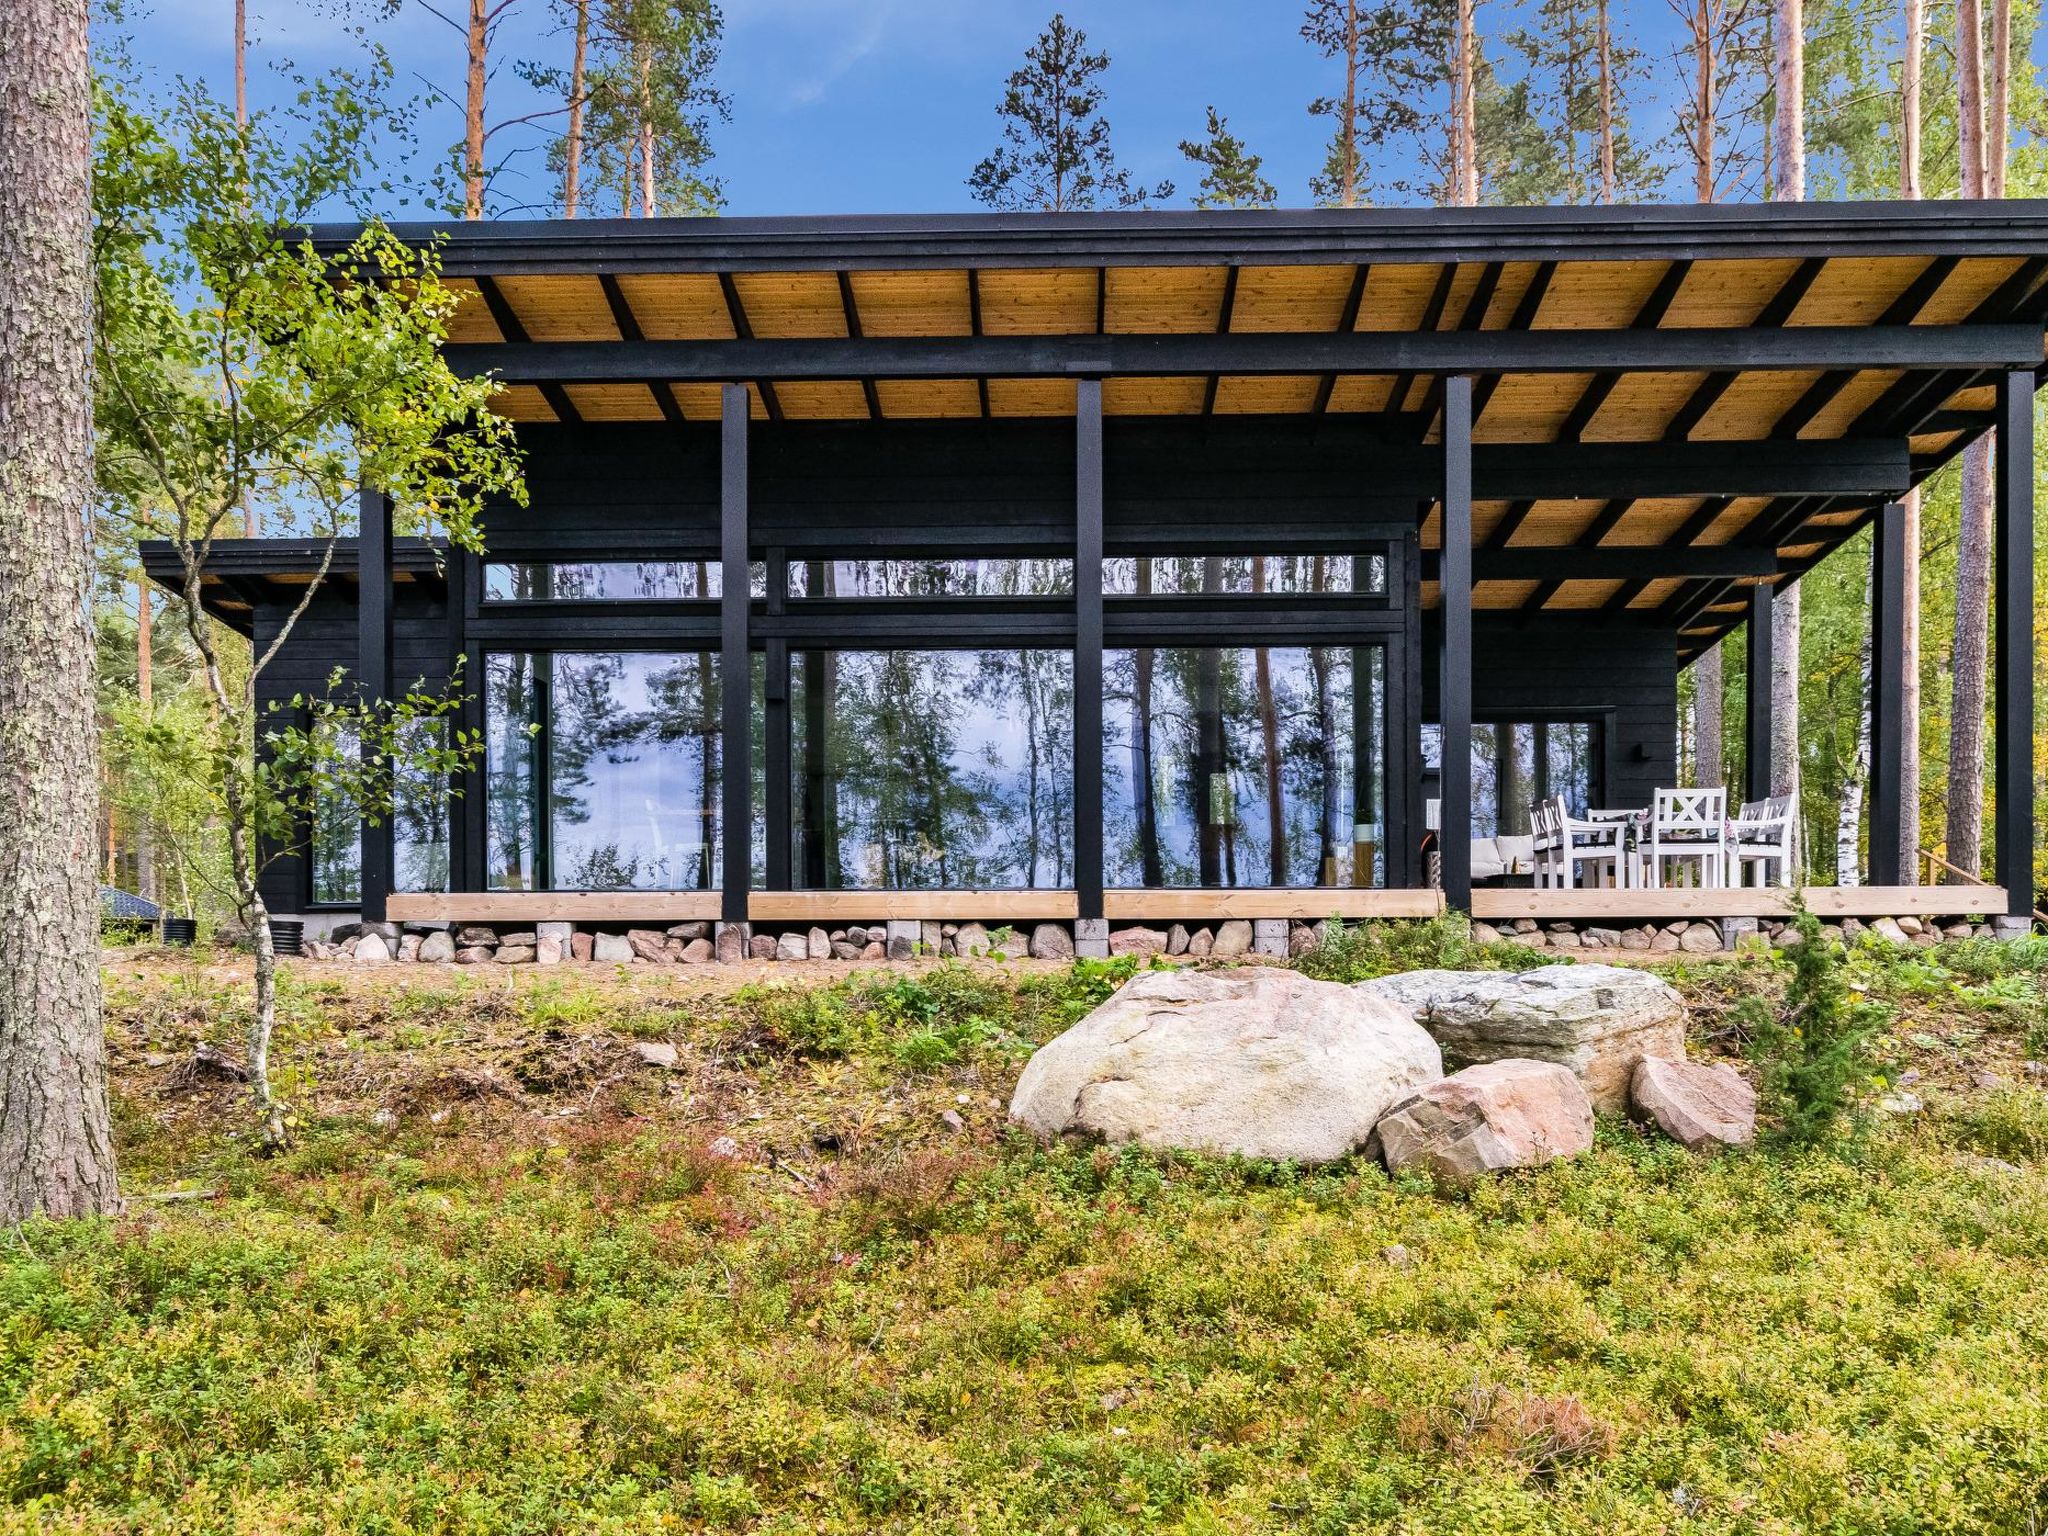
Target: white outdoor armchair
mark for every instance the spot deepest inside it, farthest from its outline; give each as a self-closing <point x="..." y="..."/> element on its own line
<point x="1689" y="830"/>
<point x="1762" y="844"/>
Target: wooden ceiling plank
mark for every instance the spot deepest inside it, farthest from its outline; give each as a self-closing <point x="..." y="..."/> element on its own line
<point x="1432" y="317"/>
<point x="1349" y="322"/>
<point x="1773" y="315"/>
<point x="974" y="329"/>
<point x="1647" y="318"/>
<point x="1224" y="312"/>
<point x="630" y="330"/>
<point x="743" y="329"/>
<point x="508" y="322"/>
<point x="852" y="309"/>
<point x="1524" y="318"/>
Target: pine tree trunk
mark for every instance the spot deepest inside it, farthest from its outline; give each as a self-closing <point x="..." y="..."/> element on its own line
<point x="1708" y="754"/>
<point x="646" y="135"/>
<point x="1999" y="116"/>
<point x="56" y="1149"/>
<point x="1466" y="140"/>
<point x="572" y="140"/>
<point x="1705" y="65"/>
<point x="1349" y="131"/>
<point x="241" y="63"/>
<point x="1606" y="50"/>
<point x="473" y="109"/>
<point x="1909" y="700"/>
<point x="1981" y="146"/>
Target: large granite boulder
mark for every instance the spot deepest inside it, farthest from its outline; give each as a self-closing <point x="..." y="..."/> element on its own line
<point x="1488" y="1118"/>
<point x="1267" y="1063"/>
<point x="1698" y="1104"/>
<point x="1598" y="1020"/>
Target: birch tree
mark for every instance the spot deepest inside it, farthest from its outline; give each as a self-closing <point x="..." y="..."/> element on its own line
<point x="236" y="364"/>
<point x="1788" y="186"/>
<point x="56" y="1148"/>
<point x="1914" y="28"/>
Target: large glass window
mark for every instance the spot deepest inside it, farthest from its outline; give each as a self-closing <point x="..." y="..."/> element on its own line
<point x="931" y="578"/>
<point x="611" y="581"/>
<point x="603" y="770"/>
<point x="1243" y="575"/>
<point x="1244" y="767"/>
<point x="920" y="770"/>
<point x="419" y="827"/>
<point x="1518" y="764"/>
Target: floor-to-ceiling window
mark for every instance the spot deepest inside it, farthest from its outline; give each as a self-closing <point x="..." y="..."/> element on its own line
<point x="1518" y="764"/>
<point x="602" y="770"/>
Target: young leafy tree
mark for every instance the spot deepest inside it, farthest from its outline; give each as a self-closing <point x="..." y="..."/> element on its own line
<point x="56" y="1151"/>
<point x="236" y="365"/>
<point x="1056" y="155"/>
<point x="1231" y="177"/>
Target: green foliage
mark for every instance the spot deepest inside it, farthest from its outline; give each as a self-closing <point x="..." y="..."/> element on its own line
<point x="487" y="1316"/>
<point x="1813" y="1052"/>
<point x="1055" y="154"/>
<point x="1365" y="950"/>
<point x="1230" y="175"/>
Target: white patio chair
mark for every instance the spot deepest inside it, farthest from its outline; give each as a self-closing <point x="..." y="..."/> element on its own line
<point x="1689" y="828"/>
<point x="1543" y="836"/>
<point x="1762" y="844"/>
<point x="1584" y="844"/>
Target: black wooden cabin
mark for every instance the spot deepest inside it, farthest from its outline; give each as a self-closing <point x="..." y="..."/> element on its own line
<point x="1462" y="471"/>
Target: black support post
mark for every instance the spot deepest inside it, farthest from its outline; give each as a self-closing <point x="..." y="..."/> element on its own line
<point x="1756" y="751"/>
<point x="2012" y="601"/>
<point x="1454" y="824"/>
<point x="1887" y="690"/>
<point x="1088" y="648"/>
<point x="735" y="675"/>
<point x="373" y="683"/>
<point x="775" y="731"/>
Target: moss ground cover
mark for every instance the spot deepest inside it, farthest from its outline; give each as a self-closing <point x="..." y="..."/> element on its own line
<point x="512" y="1278"/>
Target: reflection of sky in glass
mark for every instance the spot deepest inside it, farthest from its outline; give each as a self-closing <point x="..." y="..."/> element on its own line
<point x="930" y="578"/>
<point x="1193" y="726"/>
<point x="634" y="749"/>
<point x="934" y="769"/>
<point x="1521" y="764"/>
<point x="611" y="581"/>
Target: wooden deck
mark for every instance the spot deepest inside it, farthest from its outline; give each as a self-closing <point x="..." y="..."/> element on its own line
<point x="1156" y="906"/>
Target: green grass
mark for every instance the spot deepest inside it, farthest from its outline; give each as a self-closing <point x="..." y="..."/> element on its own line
<point x="483" y="1315"/>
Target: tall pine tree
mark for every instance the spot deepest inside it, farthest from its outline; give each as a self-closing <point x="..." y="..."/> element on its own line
<point x="1231" y="177"/>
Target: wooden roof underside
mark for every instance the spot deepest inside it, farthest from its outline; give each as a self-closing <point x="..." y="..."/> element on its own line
<point x="1412" y="271"/>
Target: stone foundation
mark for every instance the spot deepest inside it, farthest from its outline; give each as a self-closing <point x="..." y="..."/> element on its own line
<point x="1711" y="935"/>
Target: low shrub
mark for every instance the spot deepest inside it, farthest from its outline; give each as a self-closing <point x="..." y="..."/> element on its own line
<point x="1359" y="952"/>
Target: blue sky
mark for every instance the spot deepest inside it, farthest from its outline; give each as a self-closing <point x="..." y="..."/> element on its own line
<point x="885" y="105"/>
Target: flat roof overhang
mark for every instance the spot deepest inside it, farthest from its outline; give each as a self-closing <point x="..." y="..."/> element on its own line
<point x="1749" y="331"/>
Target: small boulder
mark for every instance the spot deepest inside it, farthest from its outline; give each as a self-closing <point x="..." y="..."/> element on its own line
<point x="656" y="1053"/>
<point x="843" y="950"/>
<point x="689" y="931"/>
<point x="1911" y="927"/>
<point x="1052" y="941"/>
<point x="474" y="954"/>
<point x="1596" y="1020"/>
<point x="761" y="946"/>
<point x="971" y="939"/>
<point x="516" y="954"/>
<point x="1565" y="939"/>
<point x="698" y="952"/>
<point x="524" y="940"/>
<point x="611" y="949"/>
<point x="1263" y="1062"/>
<point x="1889" y="929"/>
<point x="818" y="945"/>
<point x="1233" y="939"/>
<point x="437" y="949"/>
<point x="730" y="945"/>
<point x="1200" y="943"/>
<point x="1700" y="939"/>
<point x="648" y="945"/>
<point x="1177" y="939"/>
<point x="1697" y="1104"/>
<point x="1637" y="938"/>
<point x="581" y="945"/>
<point x="408" y="947"/>
<point x="1485" y="933"/>
<point x="547" y="950"/>
<point x="1664" y="942"/>
<point x="792" y="946"/>
<point x="1137" y="941"/>
<point x="371" y="950"/>
<point x="874" y="949"/>
<point x="1500" y="1115"/>
<point x="472" y="935"/>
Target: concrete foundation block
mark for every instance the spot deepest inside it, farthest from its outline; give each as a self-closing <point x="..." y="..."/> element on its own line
<point x="729" y="942"/>
<point x="1091" y="938"/>
<point x="2008" y="928"/>
<point x="553" y="942"/>
<point x="1734" y="930"/>
<point x="932" y="937"/>
<point x="1269" y="937"/>
<point x="904" y="936"/>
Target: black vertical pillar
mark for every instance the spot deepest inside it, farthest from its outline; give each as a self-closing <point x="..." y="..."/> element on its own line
<point x="1888" y="599"/>
<point x="1756" y="751"/>
<point x="373" y="683"/>
<point x="467" y="834"/>
<point x="2012" y="604"/>
<point x="735" y="676"/>
<point x="1088" y="648"/>
<point x="775" y="776"/>
<point x="1454" y="691"/>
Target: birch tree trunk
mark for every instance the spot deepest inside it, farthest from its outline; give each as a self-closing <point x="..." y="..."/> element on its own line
<point x="241" y="63"/>
<point x="1981" y="145"/>
<point x="1909" y="701"/>
<point x="1789" y="131"/>
<point x="477" y="71"/>
<point x="1849" y="814"/>
<point x="56" y="1149"/>
<point x="1605" y="43"/>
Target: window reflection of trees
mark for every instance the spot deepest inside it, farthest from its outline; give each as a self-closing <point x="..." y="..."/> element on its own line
<point x="933" y="769"/>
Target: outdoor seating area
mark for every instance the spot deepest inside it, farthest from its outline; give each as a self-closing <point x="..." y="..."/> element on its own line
<point x="1683" y="840"/>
